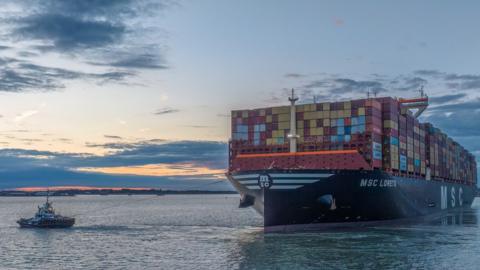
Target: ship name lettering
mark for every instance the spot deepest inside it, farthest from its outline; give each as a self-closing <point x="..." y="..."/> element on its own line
<point x="378" y="182"/>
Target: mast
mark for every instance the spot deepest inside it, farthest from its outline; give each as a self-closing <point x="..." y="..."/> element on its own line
<point x="293" y="123"/>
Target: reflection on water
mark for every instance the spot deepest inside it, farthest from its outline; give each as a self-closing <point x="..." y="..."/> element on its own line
<point x="210" y="232"/>
<point x="448" y="241"/>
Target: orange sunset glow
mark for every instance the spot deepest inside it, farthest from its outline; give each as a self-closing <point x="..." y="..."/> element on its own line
<point x="158" y="170"/>
<point x="60" y="188"/>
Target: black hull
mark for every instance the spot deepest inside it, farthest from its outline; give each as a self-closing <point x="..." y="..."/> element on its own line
<point x="47" y="225"/>
<point x="309" y="198"/>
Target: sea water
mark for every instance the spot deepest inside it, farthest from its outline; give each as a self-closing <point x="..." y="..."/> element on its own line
<point x="211" y="232"/>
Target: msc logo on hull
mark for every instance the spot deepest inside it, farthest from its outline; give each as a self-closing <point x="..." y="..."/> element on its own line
<point x="453" y="197"/>
<point x="264" y="181"/>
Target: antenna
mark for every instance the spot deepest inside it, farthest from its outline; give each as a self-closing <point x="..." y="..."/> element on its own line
<point x="293" y="123"/>
<point x="375" y="92"/>
<point x="314" y="99"/>
<point x="368" y="93"/>
<point x="422" y="92"/>
<point x="293" y="98"/>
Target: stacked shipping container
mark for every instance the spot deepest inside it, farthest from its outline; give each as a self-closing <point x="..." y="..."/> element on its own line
<point x="388" y="136"/>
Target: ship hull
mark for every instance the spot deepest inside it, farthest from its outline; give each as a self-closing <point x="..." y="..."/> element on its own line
<point x="47" y="224"/>
<point x="311" y="197"/>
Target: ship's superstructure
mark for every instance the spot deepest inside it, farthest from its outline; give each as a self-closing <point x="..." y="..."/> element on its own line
<point x="46" y="218"/>
<point x="357" y="160"/>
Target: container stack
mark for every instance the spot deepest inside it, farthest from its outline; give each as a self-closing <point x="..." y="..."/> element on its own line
<point x="386" y="134"/>
<point x="391" y="139"/>
<point x="448" y="160"/>
<point x="325" y="126"/>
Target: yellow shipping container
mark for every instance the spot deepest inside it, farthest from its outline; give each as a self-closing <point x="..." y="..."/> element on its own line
<point x="410" y="168"/>
<point x="278" y="133"/>
<point x="312" y="107"/>
<point x="262" y="112"/>
<point x="361" y="111"/>
<point x="300" y="108"/>
<point x="347" y="113"/>
<point x="300" y="139"/>
<point x="300" y="124"/>
<point x="320" y="131"/>
<point x="333" y="114"/>
<point x="309" y="115"/>
<point x="268" y="119"/>
<point x="390" y="124"/>
<point x="347" y="105"/>
<point x="326" y="122"/>
<point x="316" y="131"/>
<point x="269" y="141"/>
<point x="313" y="123"/>
<point x="326" y="106"/>
<point x="318" y="115"/>
<point x="283" y="125"/>
<point x="281" y="110"/>
<point x="284" y="117"/>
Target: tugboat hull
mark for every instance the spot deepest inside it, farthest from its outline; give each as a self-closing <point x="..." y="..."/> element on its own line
<point x="47" y="224"/>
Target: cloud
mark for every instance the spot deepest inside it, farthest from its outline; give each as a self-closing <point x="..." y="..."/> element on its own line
<point x="64" y="140"/>
<point x="453" y="80"/>
<point x="198" y="126"/>
<point x="166" y="110"/>
<point x="24" y="115"/>
<point x="459" y="119"/>
<point x="294" y="75"/>
<point x="78" y="25"/>
<point x="69" y="33"/>
<point x="151" y="157"/>
<point x="446" y="98"/>
<point x="141" y="61"/>
<point x="428" y="72"/>
<point x="330" y="84"/>
<point x="19" y="76"/>
<point x="112" y="137"/>
<point x="90" y="32"/>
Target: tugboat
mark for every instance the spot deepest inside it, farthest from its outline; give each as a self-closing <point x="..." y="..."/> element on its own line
<point x="46" y="218"/>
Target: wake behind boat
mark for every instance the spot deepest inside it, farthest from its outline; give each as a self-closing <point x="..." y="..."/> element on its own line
<point x="46" y="218"/>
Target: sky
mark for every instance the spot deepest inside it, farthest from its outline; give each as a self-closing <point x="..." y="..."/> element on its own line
<point x="139" y="92"/>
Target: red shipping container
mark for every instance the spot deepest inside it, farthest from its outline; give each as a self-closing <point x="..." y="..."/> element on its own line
<point x="348" y="121"/>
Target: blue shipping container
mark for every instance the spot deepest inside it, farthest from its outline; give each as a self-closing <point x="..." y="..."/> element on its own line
<point x="403" y="163"/>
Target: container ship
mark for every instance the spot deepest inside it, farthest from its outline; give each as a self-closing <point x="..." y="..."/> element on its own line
<point x="308" y="165"/>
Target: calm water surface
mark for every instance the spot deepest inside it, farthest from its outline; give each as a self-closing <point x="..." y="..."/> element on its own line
<point x="210" y="232"/>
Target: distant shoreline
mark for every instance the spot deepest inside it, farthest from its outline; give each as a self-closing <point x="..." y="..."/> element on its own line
<point x="106" y="191"/>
